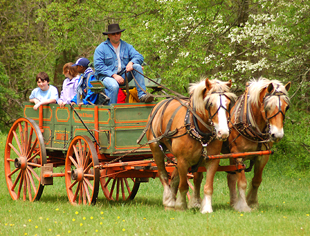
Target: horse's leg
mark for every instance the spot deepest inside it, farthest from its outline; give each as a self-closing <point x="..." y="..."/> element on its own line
<point x="159" y="158"/>
<point x="259" y="165"/>
<point x="241" y="204"/>
<point x="174" y="183"/>
<point x="206" y="205"/>
<point x="232" y="181"/>
<point x="180" y="203"/>
<point x="195" y="200"/>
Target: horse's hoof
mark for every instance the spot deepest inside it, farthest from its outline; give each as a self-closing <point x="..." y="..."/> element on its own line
<point x="167" y="208"/>
<point x="242" y="209"/>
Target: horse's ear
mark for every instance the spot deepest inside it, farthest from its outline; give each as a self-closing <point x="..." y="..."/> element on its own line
<point x="288" y="86"/>
<point x="270" y="88"/>
<point x="229" y="83"/>
<point x="208" y="84"/>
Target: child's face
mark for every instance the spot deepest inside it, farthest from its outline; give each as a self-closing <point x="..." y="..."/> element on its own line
<point x="42" y="84"/>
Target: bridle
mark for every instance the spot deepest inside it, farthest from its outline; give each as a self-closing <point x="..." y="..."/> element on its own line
<point x="267" y="97"/>
<point x="208" y="105"/>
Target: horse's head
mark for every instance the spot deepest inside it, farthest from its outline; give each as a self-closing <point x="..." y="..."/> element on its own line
<point x="213" y="102"/>
<point x="275" y="102"/>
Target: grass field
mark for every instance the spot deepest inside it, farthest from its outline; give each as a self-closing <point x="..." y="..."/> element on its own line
<point x="284" y="210"/>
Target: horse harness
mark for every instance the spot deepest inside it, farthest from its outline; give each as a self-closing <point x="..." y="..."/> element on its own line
<point x="246" y="126"/>
<point x="190" y="123"/>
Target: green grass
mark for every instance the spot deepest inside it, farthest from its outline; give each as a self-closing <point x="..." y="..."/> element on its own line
<point x="284" y="210"/>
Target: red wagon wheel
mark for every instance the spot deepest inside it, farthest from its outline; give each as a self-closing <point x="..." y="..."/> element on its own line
<point x="81" y="176"/>
<point x="24" y="156"/>
<point x="115" y="188"/>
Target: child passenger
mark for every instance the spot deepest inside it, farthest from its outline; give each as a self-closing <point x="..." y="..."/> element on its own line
<point x="45" y="93"/>
<point x="84" y="95"/>
<point x="69" y="85"/>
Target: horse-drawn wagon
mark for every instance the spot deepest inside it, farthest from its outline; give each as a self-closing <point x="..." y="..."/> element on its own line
<point x="92" y="147"/>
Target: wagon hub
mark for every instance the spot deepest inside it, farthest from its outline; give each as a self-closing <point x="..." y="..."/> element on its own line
<point x="77" y="174"/>
<point x="20" y="163"/>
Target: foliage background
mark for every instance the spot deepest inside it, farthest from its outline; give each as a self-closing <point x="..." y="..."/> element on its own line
<point x="182" y="41"/>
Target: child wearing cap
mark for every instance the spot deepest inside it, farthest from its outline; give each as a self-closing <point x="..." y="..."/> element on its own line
<point x="83" y="94"/>
<point x="69" y="85"/>
<point x="45" y="93"/>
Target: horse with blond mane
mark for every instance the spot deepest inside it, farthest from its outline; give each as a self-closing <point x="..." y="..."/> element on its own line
<point x="190" y="129"/>
<point x="256" y="123"/>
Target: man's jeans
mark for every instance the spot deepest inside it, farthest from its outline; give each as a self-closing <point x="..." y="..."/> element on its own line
<point x="112" y="87"/>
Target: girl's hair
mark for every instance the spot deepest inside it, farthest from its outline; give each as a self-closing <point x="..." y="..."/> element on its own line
<point x="43" y="76"/>
<point x="72" y="69"/>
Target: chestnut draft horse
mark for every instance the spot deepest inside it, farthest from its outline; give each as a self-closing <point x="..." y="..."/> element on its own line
<point x="256" y="122"/>
<point x="190" y="129"/>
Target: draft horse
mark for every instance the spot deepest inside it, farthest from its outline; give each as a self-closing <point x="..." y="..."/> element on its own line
<point x="190" y="129"/>
<point x="256" y="123"/>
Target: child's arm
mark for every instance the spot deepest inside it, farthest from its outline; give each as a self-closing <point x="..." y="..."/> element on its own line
<point x="48" y="101"/>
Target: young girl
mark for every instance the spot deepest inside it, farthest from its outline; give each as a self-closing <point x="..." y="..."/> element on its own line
<point x="45" y="93"/>
<point x="69" y="85"/>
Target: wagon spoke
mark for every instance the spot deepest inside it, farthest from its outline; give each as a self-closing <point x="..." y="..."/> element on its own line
<point x="88" y="167"/>
<point x="20" y="184"/>
<point x="32" y="182"/>
<point x="73" y="161"/>
<point x="17" y="141"/>
<point x="33" y="172"/>
<point x="14" y="149"/>
<point x="112" y="188"/>
<point x="80" y="160"/>
<point x="86" y="192"/>
<point x="117" y="189"/>
<point x="106" y="184"/>
<point x="127" y="185"/>
<point x="80" y="194"/>
<point x="85" y="153"/>
<point x="16" y="180"/>
<point x="26" y="138"/>
<point x="32" y="148"/>
<point x="25" y="186"/>
<point x="29" y="141"/>
<point x="28" y="186"/>
<point x="77" y="156"/>
<point x="86" y="160"/>
<point x="74" y="183"/>
<point x="34" y="164"/>
<point x="21" y="135"/>
<point x="13" y="172"/>
<point x="89" y="184"/>
<point x="76" y="192"/>
<point x="123" y="190"/>
<point x="34" y="155"/>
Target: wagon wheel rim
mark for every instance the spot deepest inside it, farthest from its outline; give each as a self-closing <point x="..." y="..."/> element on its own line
<point x="116" y="189"/>
<point x="25" y="154"/>
<point x="81" y="172"/>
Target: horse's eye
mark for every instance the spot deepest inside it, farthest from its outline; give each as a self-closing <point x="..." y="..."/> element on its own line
<point x="287" y="107"/>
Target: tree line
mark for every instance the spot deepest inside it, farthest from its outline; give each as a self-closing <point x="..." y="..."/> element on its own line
<point x="182" y="41"/>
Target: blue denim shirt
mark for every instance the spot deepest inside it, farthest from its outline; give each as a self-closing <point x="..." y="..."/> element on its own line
<point x="105" y="59"/>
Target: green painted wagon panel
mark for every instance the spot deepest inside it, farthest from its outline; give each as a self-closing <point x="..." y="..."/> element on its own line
<point x="119" y="125"/>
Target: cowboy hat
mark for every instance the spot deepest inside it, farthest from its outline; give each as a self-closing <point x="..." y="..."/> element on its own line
<point x="113" y="28"/>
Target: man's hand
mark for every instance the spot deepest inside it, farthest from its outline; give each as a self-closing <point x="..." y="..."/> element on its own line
<point x="129" y="66"/>
<point x="118" y="78"/>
